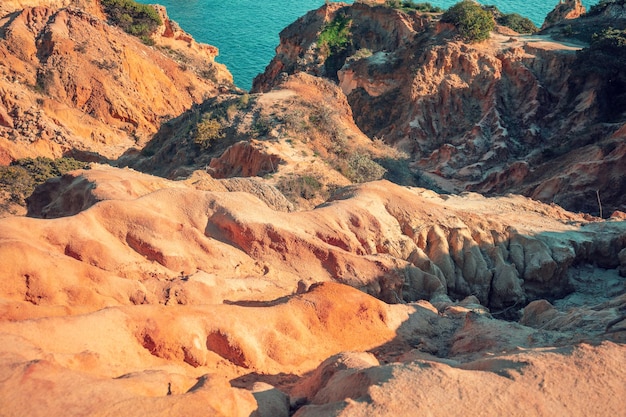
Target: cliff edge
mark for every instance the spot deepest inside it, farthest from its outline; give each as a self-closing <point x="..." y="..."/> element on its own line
<point x="515" y="113"/>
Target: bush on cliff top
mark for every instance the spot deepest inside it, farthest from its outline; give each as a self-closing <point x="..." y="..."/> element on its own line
<point x="602" y="6"/>
<point x="514" y="21"/>
<point x="408" y="6"/>
<point x="140" y="20"/>
<point x="335" y="36"/>
<point x="208" y="131"/>
<point x="360" y="168"/>
<point x="606" y="55"/>
<point x="472" y="21"/>
<point x="517" y="22"/>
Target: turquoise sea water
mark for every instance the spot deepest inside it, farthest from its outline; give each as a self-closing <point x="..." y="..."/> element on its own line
<point x="246" y="31"/>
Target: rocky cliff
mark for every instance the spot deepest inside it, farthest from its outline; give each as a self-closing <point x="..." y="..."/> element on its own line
<point x="63" y="93"/>
<point x="565" y="10"/>
<point x="269" y="270"/>
<point x="511" y="114"/>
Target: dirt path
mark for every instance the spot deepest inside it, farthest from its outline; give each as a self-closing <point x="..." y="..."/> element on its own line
<point x="539" y="41"/>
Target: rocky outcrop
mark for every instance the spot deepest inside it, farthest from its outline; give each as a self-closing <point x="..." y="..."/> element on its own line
<point x="72" y="82"/>
<point x="379" y="237"/>
<point x="493" y="117"/>
<point x="386" y="29"/>
<point x="243" y="159"/>
<point x="300" y="137"/>
<point x="79" y="190"/>
<point x="393" y="387"/>
<point x="565" y="10"/>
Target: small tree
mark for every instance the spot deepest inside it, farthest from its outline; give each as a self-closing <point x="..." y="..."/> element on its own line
<point x="361" y="168"/>
<point x="471" y="20"/>
<point x="208" y="131"/>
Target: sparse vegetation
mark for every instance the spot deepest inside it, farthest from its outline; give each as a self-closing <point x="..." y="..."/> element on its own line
<point x="335" y="37"/>
<point x="140" y="20"/>
<point x="208" y="73"/>
<point x="208" y="131"/>
<point x="321" y="118"/>
<point x="567" y="31"/>
<point x="472" y="21"/>
<point x="305" y="186"/>
<point x="606" y="55"/>
<point x="360" y="54"/>
<point x="244" y="101"/>
<point x="262" y="126"/>
<point x="602" y="5"/>
<point x="398" y="171"/>
<point x="606" y="58"/>
<point x="19" y="179"/>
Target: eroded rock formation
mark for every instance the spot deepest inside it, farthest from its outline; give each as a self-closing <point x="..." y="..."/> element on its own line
<point x="510" y="114"/>
<point x="178" y="279"/>
<point x="128" y="294"/>
<point x="64" y="93"/>
<point x="379" y="237"/>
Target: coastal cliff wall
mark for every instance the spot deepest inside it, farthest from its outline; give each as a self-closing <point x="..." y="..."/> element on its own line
<point x="491" y="116"/>
<point x="274" y="274"/>
<point x="64" y="93"/>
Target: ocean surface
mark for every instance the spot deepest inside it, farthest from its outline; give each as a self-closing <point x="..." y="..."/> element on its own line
<point x="246" y="31"/>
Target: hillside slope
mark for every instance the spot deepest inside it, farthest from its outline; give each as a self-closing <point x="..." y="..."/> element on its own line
<point x="62" y="93"/>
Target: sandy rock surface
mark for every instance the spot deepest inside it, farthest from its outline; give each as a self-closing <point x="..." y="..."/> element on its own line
<point x="162" y="298"/>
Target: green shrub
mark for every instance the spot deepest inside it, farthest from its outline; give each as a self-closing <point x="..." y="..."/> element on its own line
<point x="606" y="55"/>
<point x="361" y="168"/>
<point x="398" y="171"/>
<point x="602" y="5"/>
<point x="244" y="101"/>
<point x="305" y="186"/>
<point x="335" y="36"/>
<point x="471" y="20"/>
<point x="408" y="6"/>
<point x="209" y="73"/>
<point x="140" y="20"/>
<point x="517" y="22"/>
<point x="262" y="126"/>
<point x="22" y="176"/>
<point x="17" y="183"/>
<point x="208" y="131"/>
